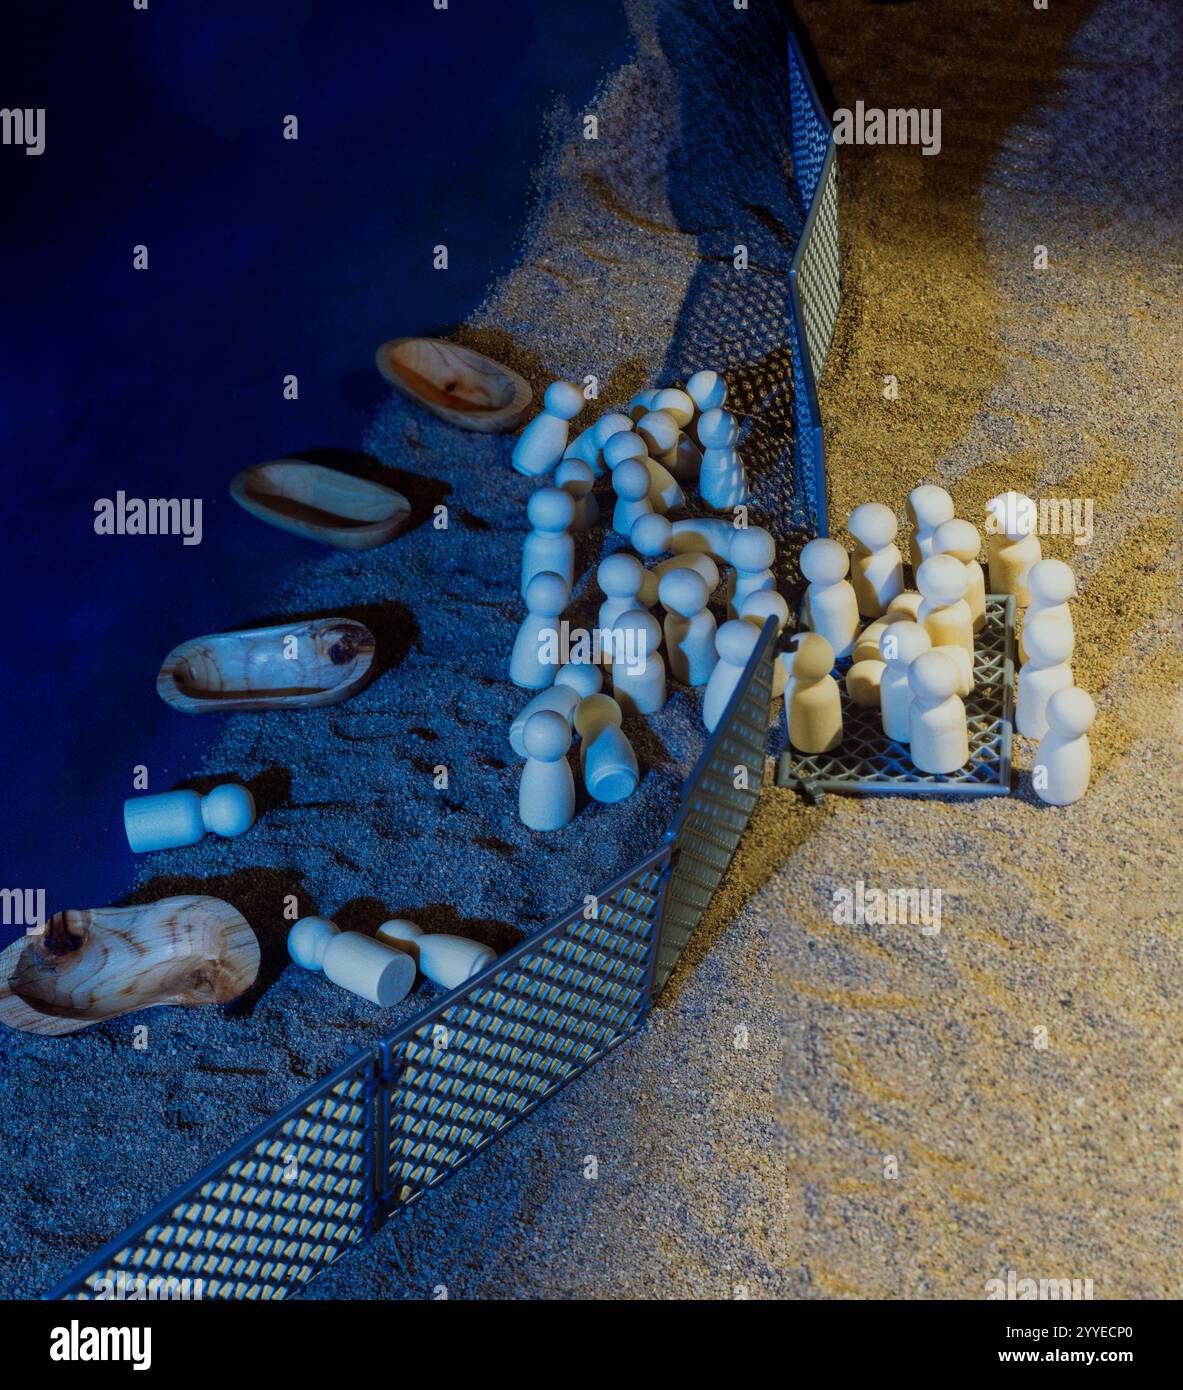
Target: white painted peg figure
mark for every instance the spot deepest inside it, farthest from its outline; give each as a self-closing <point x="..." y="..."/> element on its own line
<point x="447" y="961"/>
<point x="664" y="491"/>
<point x="946" y="616"/>
<point x="606" y="428"/>
<point x="1012" y="546"/>
<point x="1063" y="760"/>
<point x="961" y="540"/>
<point x="833" y="608"/>
<point x="937" y="731"/>
<point x="168" y="820"/>
<point x="535" y="656"/>
<point x="708" y="391"/>
<point x="630" y="483"/>
<point x="757" y="608"/>
<point x="813" y="706"/>
<point x="877" y="574"/>
<point x="546" y="794"/>
<point x="357" y="963"/>
<point x="610" y="770"/>
<point x="638" y="670"/>
<point x="734" y="643"/>
<point x="689" y="627"/>
<point x="752" y="552"/>
<point x="577" y="479"/>
<point x="1050" y="584"/>
<point x="620" y="577"/>
<point x="549" y="546"/>
<point x="899" y="645"/>
<point x="1047" y="669"/>
<point x="544" y="440"/>
<point x="928" y="507"/>
<point x="721" y="481"/>
<point x="573" y="682"/>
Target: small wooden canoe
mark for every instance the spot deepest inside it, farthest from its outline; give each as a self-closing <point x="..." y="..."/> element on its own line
<point x="321" y="504"/>
<point x="458" y="384"/>
<point x="93" y="964"/>
<point x="296" y="665"/>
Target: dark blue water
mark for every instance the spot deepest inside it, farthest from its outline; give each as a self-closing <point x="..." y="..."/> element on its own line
<point x="266" y="257"/>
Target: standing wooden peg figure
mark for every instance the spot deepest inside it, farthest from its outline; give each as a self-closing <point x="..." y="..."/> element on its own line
<point x="813" y="706"/>
<point x="542" y="443"/>
<point x="928" y="507"/>
<point x="1049" y="649"/>
<point x="1013" y="547"/>
<point x="1063" y="760"/>
<point x="945" y="614"/>
<point x="546" y="796"/>
<point x="832" y="606"/>
<point x="961" y="540"/>
<point x="937" y="727"/>
<point x="877" y="574"/>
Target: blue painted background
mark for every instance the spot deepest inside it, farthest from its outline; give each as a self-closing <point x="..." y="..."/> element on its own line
<point x="266" y="257"/>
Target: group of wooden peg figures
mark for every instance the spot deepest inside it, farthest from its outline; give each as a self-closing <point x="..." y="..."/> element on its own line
<point x="663" y="444"/>
<point x="914" y="659"/>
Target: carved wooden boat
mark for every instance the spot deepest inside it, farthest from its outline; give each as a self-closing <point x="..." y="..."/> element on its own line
<point x="296" y="665"/>
<point x="92" y="964"/>
<point x="458" y="384"/>
<point x="322" y="504"/>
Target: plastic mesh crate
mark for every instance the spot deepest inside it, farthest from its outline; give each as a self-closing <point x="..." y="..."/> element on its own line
<point x="870" y="763"/>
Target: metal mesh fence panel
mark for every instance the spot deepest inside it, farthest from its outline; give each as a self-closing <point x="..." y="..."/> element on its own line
<point x="465" y="1072"/>
<point x="267" y="1216"/>
<point x="715" y="810"/>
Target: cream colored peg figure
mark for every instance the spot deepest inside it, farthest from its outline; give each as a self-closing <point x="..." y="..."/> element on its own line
<point x="685" y="458"/>
<point x="928" y="507"/>
<point x="813" y="706"/>
<point x="664" y="491"/>
<point x="1046" y="670"/>
<point x="620" y="577"/>
<point x="535" y="658"/>
<point x="757" y="608"/>
<point x="1063" y="760"/>
<point x="1050" y="584"/>
<point x="357" y="963"/>
<point x="1012" y="547"/>
<point x="705" y="535"/>
<point x="577" y="478"/>
<point x="937" y="730"/>
<point x="721" y="481"/>
<point x="708" y="391"/>
<point x="899" y="646"/>
<point x="653" y="536"/>
<point x="542" y="443"/>
<point x="447" y="961"/>
<point x="641" y="404"/>
<point x="905" y="607"/>
<point x="549" y="546"/>
<point x="945" y="614"/>
<point x="962" y="541"/>
<point x="638" y="670"/>
<point x="573" y="682"/>
<point x="546" y="794"/>
<point x="689" y="627"/>
<point x="752" y="552"/>
<point x="832" y="606"/>
<point x="630" y="483"/>
<point x="659" y="431"/>
<point x="877" y="574"/>
<point x="867" y="667"/>
<point x="676" y="403"/>
<point x="610" y="770"/>
<point x="734" y="643"/>
<point x="588" y="445"/>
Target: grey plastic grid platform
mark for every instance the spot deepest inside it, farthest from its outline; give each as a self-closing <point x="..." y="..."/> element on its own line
<point x="867" y="762"/>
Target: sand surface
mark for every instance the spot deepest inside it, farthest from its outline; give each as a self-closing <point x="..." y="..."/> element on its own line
<point x="741" y="1142"/>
